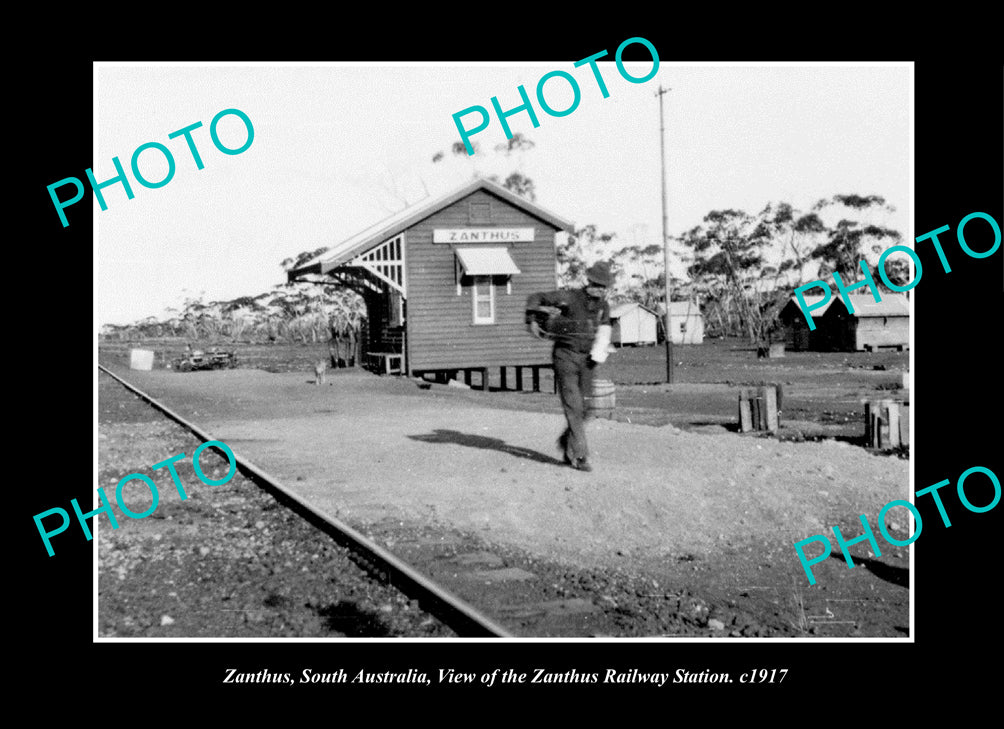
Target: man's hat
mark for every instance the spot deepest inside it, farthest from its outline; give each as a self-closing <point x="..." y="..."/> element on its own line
<point x="599" y="274"/>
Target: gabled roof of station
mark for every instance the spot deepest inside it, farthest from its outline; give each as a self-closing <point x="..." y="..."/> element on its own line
<point x="412" y="215"/>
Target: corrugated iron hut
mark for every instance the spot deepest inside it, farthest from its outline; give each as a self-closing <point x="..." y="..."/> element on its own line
<point x="797" y="335"/>
<point x="446" y="281"/>
<point x="633" y="324"/>
<point x="871" y="326"/>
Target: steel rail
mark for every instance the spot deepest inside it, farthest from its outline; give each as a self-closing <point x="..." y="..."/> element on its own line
<point x="450" y="609"/>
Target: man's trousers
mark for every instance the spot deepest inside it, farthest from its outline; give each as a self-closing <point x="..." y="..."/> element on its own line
<point x="573" y="372"/>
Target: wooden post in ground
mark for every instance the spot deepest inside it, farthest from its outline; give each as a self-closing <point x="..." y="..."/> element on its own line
<point x="894" y="431"/>
<point x="745" y="412"/>
<point x="869" y="424"/>
<point x="769" y="396"/>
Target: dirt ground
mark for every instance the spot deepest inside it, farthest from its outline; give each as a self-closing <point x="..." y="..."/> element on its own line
<point x="823" y="392"/>
<point x="712" y="512"/>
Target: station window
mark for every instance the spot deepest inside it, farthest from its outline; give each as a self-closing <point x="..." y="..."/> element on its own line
<point x="483" y="297"/>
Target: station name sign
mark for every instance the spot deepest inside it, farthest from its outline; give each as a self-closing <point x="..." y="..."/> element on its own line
<point x="482" y="235"/>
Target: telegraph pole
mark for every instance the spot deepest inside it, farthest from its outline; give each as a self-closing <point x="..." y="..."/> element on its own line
<point x="665" y="238"/>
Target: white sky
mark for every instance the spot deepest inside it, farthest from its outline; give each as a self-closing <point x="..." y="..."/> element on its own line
<point x="332" y="140"/>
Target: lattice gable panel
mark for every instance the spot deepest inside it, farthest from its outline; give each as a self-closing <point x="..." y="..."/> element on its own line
<point x="355" y="281"/>
<point x="386" y="262"/>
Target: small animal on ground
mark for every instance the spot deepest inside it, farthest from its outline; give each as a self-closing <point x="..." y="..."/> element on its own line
<point x="319" y="369"/>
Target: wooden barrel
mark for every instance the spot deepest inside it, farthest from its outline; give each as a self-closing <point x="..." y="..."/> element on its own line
<point x="602" y="402"/>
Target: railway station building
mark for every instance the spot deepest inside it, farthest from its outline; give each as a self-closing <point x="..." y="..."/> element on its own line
<point x="445" y="283"/>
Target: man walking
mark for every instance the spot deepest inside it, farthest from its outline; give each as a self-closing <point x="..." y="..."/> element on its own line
<point x="579" y="323"/>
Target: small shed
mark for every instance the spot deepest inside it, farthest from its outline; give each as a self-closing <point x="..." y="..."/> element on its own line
<point x="797" y="335"/>
<point x="446" y="282"/>
<point x="686" y="323"/>
<point x="872" y="325"/>
<point x="633" y="324"/>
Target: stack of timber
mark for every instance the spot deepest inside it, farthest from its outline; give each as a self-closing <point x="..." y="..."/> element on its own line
<point x="883" y="425"/>
<point x="758" y="408"/>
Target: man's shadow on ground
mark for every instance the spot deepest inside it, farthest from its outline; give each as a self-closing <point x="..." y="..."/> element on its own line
<point x="481" y="441"/>
<point x="896" y="575"/>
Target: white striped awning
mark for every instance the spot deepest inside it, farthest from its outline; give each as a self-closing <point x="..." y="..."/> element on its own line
<point x="485" y="261"/>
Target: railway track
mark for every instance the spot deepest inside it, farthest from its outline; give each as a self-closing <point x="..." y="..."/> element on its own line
<point x="456" y="614"/>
